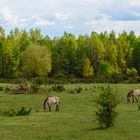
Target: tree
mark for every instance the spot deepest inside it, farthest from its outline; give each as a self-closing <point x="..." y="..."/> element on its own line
<point x="36" y="60"/>
<point x="2" y="47"/>
<point x="124" y="53"/>
<point x="80" y="54"/>
<point x="95" y="51"/>
<point x="11" y="55"/>
<point x="87" y="69"/>
<point x="35" y="35"/>
<point x="136" y="55"/>
<point x="110" y="57"/>
<point x="24" y="41"/>
<point x="63" y="55"/>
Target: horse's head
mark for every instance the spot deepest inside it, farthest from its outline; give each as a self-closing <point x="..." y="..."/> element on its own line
<point x="129" y="95"/>
<point x="44" y="104"/>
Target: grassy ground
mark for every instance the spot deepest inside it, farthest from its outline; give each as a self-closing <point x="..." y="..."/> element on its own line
<point x="76" y="119"/>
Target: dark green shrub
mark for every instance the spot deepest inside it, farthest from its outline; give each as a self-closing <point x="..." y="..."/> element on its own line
<point x="115" y="78"/>
<point x="35" y="87"/>
<point x="106" y="103"/>
<point x="1" y="88"/>
<point x="78" y="90"/>
<point x="12" y="112"/>
<point x="37" y="82"/>
<point x="23" y="112"/>
<point x="71" y="91"/>
<point x="58" y="88"/>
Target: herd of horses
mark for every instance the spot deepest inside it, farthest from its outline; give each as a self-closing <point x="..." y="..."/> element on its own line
<point x="54" y="100"/>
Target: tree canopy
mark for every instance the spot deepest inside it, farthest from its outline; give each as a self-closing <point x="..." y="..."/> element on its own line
<point x="33" y="54"/>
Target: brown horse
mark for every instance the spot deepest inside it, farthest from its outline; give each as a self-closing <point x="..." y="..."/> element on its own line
<point x="50" y="101"/>
<point x="133" y="94"/>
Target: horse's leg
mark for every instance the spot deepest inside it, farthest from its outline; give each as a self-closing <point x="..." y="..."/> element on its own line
<point x="57" y="107"/>
<point x="136" y="99"/>
<point x="133" y="99"/>
<point x="49" y="108"/>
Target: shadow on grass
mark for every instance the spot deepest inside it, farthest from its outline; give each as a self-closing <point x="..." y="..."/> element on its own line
<point x="95" y="129"/>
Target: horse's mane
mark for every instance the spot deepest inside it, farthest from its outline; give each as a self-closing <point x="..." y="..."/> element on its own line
<point x="129" y="93"/>
<point x="45" y="102"/>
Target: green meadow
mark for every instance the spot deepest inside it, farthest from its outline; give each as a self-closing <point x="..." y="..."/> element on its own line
<point x="76" y="119"/>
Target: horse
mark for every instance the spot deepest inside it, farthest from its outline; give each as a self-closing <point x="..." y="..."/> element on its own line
<point x="133" y="94"/>
<point x="50" y="101"/>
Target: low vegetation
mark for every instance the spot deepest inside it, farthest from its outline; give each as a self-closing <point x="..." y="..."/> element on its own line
<point x="12" y="112"/>
<point x="76" y="119"/>
<point x="106" y="102"/>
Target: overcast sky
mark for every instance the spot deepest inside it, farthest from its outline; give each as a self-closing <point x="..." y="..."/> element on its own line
<point x="54" y="17"/>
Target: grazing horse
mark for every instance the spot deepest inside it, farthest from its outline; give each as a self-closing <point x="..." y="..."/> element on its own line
<point x="133" y="94"/>
<point x="50" y="101"/>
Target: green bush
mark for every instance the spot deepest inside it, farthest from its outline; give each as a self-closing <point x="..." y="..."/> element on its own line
<point x="37" y="82"/>
<point x="1" y="88"/>
<point x="58" y="88"/>
<point x="106" y="103"/>
<point x="79" y="89"/>
<point x="12" y="112"/>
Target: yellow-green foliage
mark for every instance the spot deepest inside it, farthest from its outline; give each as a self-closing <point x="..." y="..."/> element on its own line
<point x="36" y="60"/>
<point x="87" y="69"/>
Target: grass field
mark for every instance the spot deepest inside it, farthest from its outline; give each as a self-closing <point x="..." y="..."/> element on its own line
<point x="76" y="119"/>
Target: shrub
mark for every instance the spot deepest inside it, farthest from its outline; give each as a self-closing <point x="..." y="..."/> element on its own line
<point x="35" y="87"/>
<point x="106" y="103"/>
<point x="12" y="112"/>
<point x="131" y="72"/>
<point x="23" y="111"/>
<point x="58" y="88"/>
<point x="115" y="78"/>
<point x="78" y="90"/>
<point x="71" y="91"/>
<point x="1" y="88"/>
<point x="37" y="82"/>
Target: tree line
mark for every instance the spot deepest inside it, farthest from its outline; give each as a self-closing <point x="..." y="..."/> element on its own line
<point x="31" y="54"/>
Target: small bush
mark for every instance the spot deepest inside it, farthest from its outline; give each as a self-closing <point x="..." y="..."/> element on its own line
<point x="71" y="91"/>
<point x="78" y="90"/>
<point x="58" y="88"/>
<point x="23" y="112"/>
<point x="12" y="112"/>
<point x="131" y="72"/>
<point x="1" y="88"/>
<point x="106" y="103"/>
<point x="37" y="82"/>
<point x="35" y="87"/>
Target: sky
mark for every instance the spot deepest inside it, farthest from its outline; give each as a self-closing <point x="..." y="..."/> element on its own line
<point x="54" y="17"/>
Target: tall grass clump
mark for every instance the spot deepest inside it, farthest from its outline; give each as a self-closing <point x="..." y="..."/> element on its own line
<point x="106" y="104"/>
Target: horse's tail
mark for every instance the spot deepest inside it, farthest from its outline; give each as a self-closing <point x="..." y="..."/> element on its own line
<point x="45" y="103"/>
<point x="59" y="101"/>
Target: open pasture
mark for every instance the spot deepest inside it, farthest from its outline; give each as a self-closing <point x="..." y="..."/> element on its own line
<point x="76" y="119"/>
